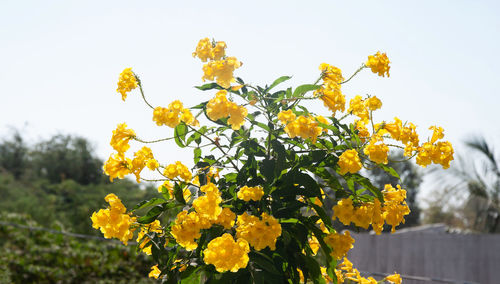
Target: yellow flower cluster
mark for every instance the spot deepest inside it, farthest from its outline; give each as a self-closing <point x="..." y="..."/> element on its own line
<point x="220" y="107"/>
<point x="259" y="233"/>
<point x="347" y="272"/>
<point x="187" y="228"/>
<point x="206" y="50"/>
<point x="251" y="193"/>
<point x="340" y="244"/>
<point x="226" y="218"/>
<point x="379" y="63"/>
<point x="392" y="212"/>
<point x="362" y="107"/>
<point x="117" y="166"/>
<point x="207" y="212"/>
<point x="173" y="115"/>
<point x="126" y="82"/>
<point x="178" y="170"/>
<point x="330" y="92"/>
<point x="436" y="152"/>
<point x="226" y="254"/>
<point x="113" y="221"/>
<point x="395" y="207"/>
<point x="406" y="134"/>
<point x="143" y="240"/>
<point x="302" y="126"/>
<point x="120" y="138"/>
<point x="349" y="162"/>
<point x="219" y="67"/>
<point x="207" y="205"/>
<point x="377" y="151"/>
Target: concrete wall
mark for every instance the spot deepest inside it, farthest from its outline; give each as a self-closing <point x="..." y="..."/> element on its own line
<point x="469" y="258"/>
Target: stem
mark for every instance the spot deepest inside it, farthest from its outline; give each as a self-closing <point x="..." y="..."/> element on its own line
<point x="216" y="144"/>
<point x="153" y="141"/>
<point x="142" y="91"/>
<point x="363" y="66"/>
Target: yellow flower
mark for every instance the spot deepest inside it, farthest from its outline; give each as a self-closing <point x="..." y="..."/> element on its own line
<point x="120" y="138"/>
<point x="117" y="166"/>
<point x="332" y="97"/>
<point x="155" y="272"/>
<point x="373" y="103"/>
<point x="314" y="244"/>
<point x="226" y="218"/>
<point x="237" y="116"/>
<point x="205" y="50"/>
<point x="226" y="254"/>
<point x="340" y="244"/>
<point x="126" y="83"/>
<point x="141" y="159"/>
<point x="221" y="71"/>
<point x="178" y="169"/>
<point x="359" y="107"/>
<point x="187" y="228"/>
<point x="207" y="206"/>
<point x="173" y="115"/>
<point x="394" y="278"/>
<point x="395" y="207"/>
<point x="219" y="107"/>
<point x="259" y="233"/>
<point x="377" y="152"/>
<point x="379" y="63"/>
<point x="349" y="162"/>
<point x="113" y="221"/>
<point x="331" y="74"/>
<point x="344" y="211"/>
<point x="286" y="116"/>
<point x="250" y="193"/>
<point x="305" y="127"/>
<point x="437" y="133"/>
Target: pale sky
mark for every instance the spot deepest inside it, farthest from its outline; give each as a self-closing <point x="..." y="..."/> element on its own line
<point x="60" y="60"/>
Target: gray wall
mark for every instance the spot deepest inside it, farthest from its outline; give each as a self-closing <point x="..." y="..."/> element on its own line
<point x="463" y="258"/>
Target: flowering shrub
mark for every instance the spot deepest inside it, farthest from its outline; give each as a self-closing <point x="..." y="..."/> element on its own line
<point x="252" y="205"/>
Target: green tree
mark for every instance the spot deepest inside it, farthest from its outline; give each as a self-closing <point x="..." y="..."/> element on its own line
<point x="14" y="155"/>
<point x="66" y="157"/>
<point x="476" y="176"/>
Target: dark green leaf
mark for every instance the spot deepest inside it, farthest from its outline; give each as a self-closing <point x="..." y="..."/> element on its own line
<point x="151" y="215"/>
<point x="209" y="86"/>
<point x="148" y="203"/>
<point x="180" y="134"/>
<point x="303" y="89"/>
<point x="277" y="82"/>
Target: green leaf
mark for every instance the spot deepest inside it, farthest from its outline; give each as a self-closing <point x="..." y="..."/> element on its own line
<point x="390" y="171"/>
<point x="303" y="89"/>
<point x="178" y="194"/>
<point x="277" y="82"/>
<point x="368" y="185"/>
<point x="209" y="86"/>
<point x="267" y="169"/>
<point x="197" y="154"/>
<point x="151" y="215"/>
<point x="148" y="203"/>
<point x="200" y="106"/>
<point x="180" y="134"/>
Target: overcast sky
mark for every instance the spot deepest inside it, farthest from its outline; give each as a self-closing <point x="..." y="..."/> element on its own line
<point x="60" y="60"/>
